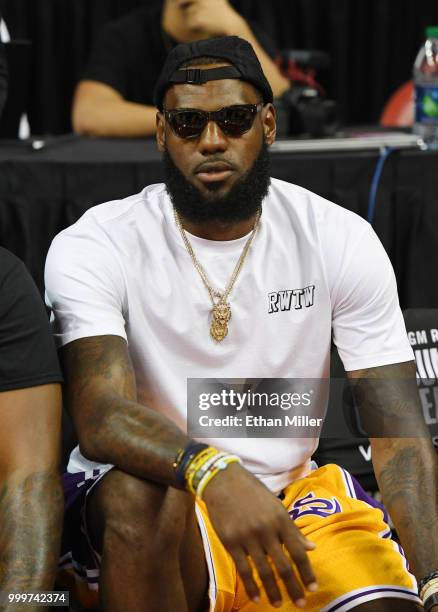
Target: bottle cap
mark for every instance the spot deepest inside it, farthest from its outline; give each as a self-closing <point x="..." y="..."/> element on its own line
<point x="432" y="32"/>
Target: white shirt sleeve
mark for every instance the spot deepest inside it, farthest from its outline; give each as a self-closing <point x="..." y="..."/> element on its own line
<point x="368" y="326"/>
<point x="84" y="285"/>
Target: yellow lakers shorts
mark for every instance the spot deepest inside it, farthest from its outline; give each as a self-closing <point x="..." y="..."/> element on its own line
<point x="355" y="559"/>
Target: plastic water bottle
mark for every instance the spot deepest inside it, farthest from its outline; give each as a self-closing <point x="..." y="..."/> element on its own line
<point x="426" y="89"/>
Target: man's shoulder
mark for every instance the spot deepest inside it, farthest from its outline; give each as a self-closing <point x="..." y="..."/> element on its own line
<point x="109" y="219"/>
<point x="312" y="206"/>
<point x="124" y="209"/>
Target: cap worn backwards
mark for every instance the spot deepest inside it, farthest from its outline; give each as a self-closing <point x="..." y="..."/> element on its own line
<point x="237" y="51"/>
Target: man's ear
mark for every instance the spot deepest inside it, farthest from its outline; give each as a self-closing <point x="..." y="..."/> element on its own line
<point x="160" y="133"/>
<point x="269" y="123"/>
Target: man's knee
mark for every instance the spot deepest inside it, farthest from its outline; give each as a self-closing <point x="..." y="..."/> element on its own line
<point x="137" y="513"/>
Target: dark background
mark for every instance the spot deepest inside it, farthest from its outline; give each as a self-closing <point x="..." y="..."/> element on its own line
<point x="372" y="44"/>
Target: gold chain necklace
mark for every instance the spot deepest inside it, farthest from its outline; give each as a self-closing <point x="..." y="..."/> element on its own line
<point x="221" y="311"/>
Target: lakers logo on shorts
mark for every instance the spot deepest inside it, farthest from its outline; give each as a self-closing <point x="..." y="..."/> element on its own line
<point x="314" y="505"/>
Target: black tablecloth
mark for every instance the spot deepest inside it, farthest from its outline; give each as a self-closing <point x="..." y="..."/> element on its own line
<point x="44" y="190"/>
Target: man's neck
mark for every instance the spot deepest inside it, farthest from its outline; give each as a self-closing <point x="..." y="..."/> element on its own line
<point x="219" y="230"/>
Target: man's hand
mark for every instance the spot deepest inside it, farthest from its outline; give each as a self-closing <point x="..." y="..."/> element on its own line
<point x="208" y="18"/>
<point x="265" y="530"/>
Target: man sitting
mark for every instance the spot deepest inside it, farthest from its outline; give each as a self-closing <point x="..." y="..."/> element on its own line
<point x="224" y="273"/>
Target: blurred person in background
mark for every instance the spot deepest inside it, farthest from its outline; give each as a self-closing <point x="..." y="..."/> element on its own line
<point x="115" y="95"/>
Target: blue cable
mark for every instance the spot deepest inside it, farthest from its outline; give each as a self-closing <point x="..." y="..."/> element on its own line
<point x="386" y="152"/>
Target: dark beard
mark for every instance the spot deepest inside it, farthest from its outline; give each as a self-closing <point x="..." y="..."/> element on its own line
<point x="240" y="203"/>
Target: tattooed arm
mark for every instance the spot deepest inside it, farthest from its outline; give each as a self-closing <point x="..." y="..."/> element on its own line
<point x="405" y="464"/>
<point x="31" y="502"/>
<point x="112" y="427"/>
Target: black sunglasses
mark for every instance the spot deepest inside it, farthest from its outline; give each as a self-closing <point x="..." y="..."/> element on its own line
<point x="232" y="120"/>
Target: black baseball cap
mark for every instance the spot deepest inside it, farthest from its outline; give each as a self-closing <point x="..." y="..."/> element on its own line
<point x="238" y="52"/>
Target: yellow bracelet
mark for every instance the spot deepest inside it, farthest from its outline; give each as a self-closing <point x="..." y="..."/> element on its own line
<point x="208" y="465"/>
<point x="199" y="459"/>
<point x="217" y="467"/>
<point x="195" y="469"/>
<point x="196" y="463"/>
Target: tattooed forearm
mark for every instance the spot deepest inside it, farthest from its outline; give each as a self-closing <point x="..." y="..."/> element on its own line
<point x="408" y="479"/>
<point x="388" y="401"/>
<point x="137" y="439"/>
<point x="30" y="531"/>
<point x="404" y="460"/>
<point x="112" y="426"/>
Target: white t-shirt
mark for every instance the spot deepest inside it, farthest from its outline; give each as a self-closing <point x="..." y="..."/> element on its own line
<point x="123" y="270"/>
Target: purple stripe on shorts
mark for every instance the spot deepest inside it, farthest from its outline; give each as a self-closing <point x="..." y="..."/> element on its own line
<point x="363" y="496"/>
<point x="402" y="552"/>
<point x="388" y="590"/>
